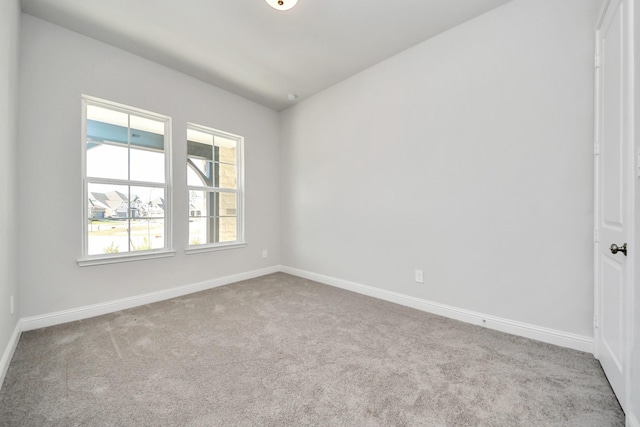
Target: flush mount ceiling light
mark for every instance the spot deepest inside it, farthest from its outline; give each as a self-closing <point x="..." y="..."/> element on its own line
<point x="282" y="4"/>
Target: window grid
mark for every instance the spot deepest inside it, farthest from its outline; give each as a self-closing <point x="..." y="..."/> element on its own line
<point x="123" y="216"/>
<point x="214" y="169"/>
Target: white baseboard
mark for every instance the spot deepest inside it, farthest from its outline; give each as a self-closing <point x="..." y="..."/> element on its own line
<point x="547" y="335"/>
<point x="632" y="421"/>
<point x="8" y="352"/>
<point x="57" y="318"/>
<point x="551" y="336"/>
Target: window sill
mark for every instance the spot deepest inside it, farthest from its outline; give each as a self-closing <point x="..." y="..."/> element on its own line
<point x="114" y="259"/>
<point x="209" y="248"/>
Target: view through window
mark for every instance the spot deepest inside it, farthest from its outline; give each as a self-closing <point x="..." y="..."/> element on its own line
<point x="213" y="178"/>
<point x="126" y="179"/>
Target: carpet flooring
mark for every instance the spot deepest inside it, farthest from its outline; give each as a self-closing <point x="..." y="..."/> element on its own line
<point x="284" y="351"/>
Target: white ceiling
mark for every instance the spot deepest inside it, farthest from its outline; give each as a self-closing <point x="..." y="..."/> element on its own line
<point x="257" y="52"/>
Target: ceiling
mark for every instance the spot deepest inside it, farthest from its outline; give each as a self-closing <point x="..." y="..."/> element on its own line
<point x="255" y="51"/>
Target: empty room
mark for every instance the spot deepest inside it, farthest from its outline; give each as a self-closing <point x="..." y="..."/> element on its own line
<point x="330" y="213"/>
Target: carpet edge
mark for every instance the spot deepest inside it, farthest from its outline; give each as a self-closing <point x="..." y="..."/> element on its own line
<point x="86" y="312"/>
<point x="526" y="330"/>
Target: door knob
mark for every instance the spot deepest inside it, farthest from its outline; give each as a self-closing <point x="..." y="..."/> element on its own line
<point x="615" y="249"/>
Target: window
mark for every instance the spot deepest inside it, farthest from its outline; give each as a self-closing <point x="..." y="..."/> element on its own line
<point x="214" y="179"/>
<point x="126" y="182"/>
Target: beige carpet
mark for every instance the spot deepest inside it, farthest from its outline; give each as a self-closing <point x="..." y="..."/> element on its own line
<point x="284" y="351"/>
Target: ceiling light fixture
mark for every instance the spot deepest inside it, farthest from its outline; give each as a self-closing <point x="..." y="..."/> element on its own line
<point x="282" y="4"/>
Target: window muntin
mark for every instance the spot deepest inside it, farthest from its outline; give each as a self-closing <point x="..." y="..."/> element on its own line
<point x="214" y="172"/>
<point x="126" y="180"/>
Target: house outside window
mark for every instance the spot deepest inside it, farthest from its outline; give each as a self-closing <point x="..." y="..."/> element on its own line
<point x="215" y="184"/>
<point x="126" y="183"/>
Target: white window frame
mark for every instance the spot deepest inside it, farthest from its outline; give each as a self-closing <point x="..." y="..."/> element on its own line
<point x="239" y="191"/>
<point x="167" y="251"/>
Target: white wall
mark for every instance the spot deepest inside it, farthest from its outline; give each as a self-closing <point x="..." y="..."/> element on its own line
<point x="9" y="33"/>
<point x="468" y="156"/>
<point x="57" y="66"/>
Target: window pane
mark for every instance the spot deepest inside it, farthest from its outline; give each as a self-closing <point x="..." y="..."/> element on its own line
<point x="198" y="228"/>
<point x="107" y="219"/>
<point x="98" y="131"/>
<point x="193" y="178"/>
<point x="107" y="116"/>
<point x="228" y="204"/>
<point x="202" y="166"/>
<point x="198" y="203"/>
<point x="226" y="150"/>
<point x="155" y="127"/>
<point x="195" y="150"/>
<point x="147" y="202"/>
<point x="147" y="165"/>
<point x="203" y="230"/>
<point x="201" y="172"/>
<point x="209" y="203"/>
<point x="228" y="229"/>
<point x="147" y="233"/>
<point x="200" y="137"/>
<point x="212" y="217"/>
<point x="107" y="161"/>
<point x="227" y="177"/>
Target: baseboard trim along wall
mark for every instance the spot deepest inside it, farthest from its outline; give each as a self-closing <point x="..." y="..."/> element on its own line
<point x="57" y="318"/>
<point x="8" y="352"/>
<point x="551" y="336"/>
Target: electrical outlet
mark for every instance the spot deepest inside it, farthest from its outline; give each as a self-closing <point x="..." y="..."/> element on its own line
<point x="419" y="276"/>
<point x="12" y="305"/>
<point x="264" y="253"/>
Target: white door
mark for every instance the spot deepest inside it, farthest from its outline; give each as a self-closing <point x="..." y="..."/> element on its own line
<point x="613" y="161"/>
